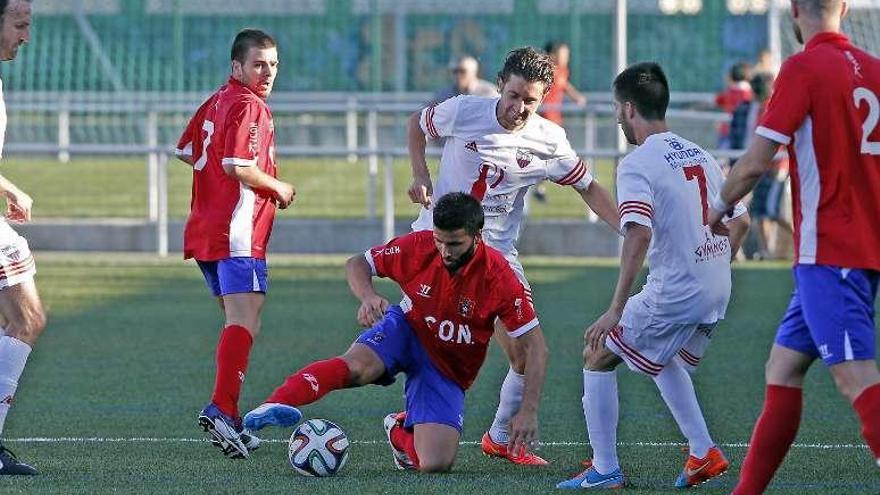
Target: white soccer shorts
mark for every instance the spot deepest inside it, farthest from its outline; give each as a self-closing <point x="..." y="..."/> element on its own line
<point x="16" y="262"/>
<point x="646" y="345"/>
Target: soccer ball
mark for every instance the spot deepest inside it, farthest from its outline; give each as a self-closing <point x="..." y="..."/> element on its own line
<point x="318" y="448"/>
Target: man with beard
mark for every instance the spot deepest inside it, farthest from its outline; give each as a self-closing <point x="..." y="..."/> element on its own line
<point x="454" y="287"/>
<point x="829" y="125"/>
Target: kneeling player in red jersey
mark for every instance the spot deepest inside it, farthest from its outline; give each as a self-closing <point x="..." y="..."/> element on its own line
<point x="454" y="287"/>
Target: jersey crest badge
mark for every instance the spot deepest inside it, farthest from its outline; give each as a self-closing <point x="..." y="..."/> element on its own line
<point x="465" y="307"/>
<point x="523" y="158"/>
<point x="472" y="146"/>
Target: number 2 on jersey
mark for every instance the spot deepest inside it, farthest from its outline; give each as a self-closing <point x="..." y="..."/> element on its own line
<point x="208" y="127"/>
<point x="870" y="123"/>
<point x="696" y="171"/>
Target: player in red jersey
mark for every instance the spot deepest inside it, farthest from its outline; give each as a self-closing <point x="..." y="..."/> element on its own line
<point x="829" y="125"/>
<point x="454" y="287"/>
<point x="230" y="143"/>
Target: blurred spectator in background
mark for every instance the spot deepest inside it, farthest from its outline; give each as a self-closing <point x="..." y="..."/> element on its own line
<point x="551" y="109"/>
<point x="764" y="64"/>
<point x="771" y="230"/>
<point x="737" y="91"/>
<point x="465" y="80"/>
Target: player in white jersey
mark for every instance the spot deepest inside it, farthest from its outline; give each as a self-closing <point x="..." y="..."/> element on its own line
<point x="22" y="318"/>
<point x="663" y="189"/>
<point x="496" y="149"/>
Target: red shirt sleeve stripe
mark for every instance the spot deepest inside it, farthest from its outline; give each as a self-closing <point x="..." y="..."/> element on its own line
<point x="580" y="168"/>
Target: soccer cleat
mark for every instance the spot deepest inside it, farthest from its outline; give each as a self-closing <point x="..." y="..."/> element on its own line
<point x="698" y="471"/>
<point x="251" y="442"/>
<point x="524" y="458"/>
<point x="10" y="465"/>
<point x="590" y="479"/>
<point x="271" y="414"/>
<point x="223" y="431"/>
<point x="401" y="460"/>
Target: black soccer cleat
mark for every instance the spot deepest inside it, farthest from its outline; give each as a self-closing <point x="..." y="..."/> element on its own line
<point x="10" y="465"/>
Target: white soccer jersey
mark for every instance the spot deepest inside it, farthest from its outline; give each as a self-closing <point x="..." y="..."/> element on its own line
<point x="665" y="184"/>
<point x="495" y="165"/>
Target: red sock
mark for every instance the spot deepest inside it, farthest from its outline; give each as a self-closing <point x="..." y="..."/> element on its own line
<point x="774" y="432"/>
<point x="312" y="382"/>
<point x="233" y="351"/>
<point x="405" y="440"/>
<point x="867" y="404"/>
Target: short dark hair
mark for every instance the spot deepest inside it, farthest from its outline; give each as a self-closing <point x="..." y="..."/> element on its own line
<point x="247" y="39"/>
<point x="554" y="45"/>
<point x="739" y="72"/>
<point x="644" y="85"/>
<point x="761" y="84"/>
<point x="529" y="64"/>
<point x="458" y="211"/>
<point x="818" y="8"/>
<point x="4" y="4"/>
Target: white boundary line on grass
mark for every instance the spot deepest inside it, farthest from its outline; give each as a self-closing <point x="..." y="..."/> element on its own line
<point x="821" y="446"/>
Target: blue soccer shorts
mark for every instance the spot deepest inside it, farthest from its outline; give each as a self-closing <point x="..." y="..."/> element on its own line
<point x="831" y="314"/>
<point x="431" y="397"/>
<point x="235" y="275"/>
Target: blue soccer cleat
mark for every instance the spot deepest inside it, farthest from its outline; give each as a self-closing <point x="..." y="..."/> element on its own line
<point x="223" y="431"/>
<point x="272" y="414"/>
<point x="590" y="479"/>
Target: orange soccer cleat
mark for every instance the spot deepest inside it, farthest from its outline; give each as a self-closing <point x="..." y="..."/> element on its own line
<point x="698" y="471"/>
<point x="524" y="458"/>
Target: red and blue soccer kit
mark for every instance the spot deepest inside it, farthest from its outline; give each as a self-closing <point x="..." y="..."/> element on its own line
<point x="829" y="125"/>
<point x="230" y="223"/>
<point x="440" y="333"/>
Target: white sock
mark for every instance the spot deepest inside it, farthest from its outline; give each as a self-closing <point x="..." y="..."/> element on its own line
<point x="601" y="410"/>
<point x="677" y="390"/>
<point x="13" y="356"/>
<point x="508" y="405"/>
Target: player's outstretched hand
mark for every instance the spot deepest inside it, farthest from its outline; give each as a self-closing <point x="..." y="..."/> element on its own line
<point x="716" y="223"/>
<point x="595" y="335"/>
<point x="372" y="310"/>
<point x="284" y="195"/>
<point x="421" y="191"/>
<point x="18" y="206"/>
<point x="523" y="432"/>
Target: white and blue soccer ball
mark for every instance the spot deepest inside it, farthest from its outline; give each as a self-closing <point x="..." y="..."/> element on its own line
<point x="318" y="448"/>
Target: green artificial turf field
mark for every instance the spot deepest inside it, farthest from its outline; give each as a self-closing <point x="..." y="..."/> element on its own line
<point x="109" y="400"/>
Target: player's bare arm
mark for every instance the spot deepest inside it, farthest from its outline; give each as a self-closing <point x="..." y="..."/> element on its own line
<point x="253" y="177"/>
<point x="360" y="280"/>
<point x="18" y="203"/>
<point x="635" y="247"/>
<point x="738" y="228"/>
<point x="187" y="159"/>
<point x="420" y="190"/>
<point x="599" y="200"/>
<point x="524" y="425"/>
<point x="742" y="179"/>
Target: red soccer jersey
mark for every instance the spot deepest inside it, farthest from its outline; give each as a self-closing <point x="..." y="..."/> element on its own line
<point x="825" y="109"/>
<point x="555" y="95"/>
<point x="454" y="315"/>
<point x="228" y="219"/>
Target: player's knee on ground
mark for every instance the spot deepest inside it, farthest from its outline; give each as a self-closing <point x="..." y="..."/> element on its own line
<point x="599" y="359"/>
<point x="434" y="463"/>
